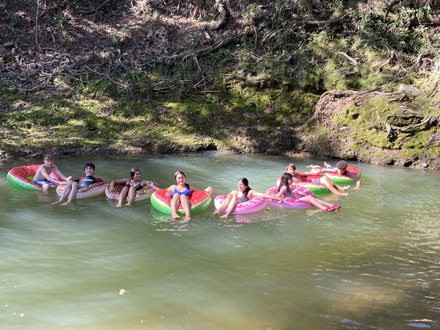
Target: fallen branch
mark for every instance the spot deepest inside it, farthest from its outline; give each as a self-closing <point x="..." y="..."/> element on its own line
<point x="221" y="8"/>
<point x="390" y="60"/>
<point x="208" y="49"/>
<point x="351" y="59"/>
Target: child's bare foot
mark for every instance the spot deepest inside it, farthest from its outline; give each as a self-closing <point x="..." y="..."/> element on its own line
<point x="118" y="205"/>
<point x="224" y="216"/>
<point x="67" y="203"/>
<point x="128" y="204"/>
<point x="175" y="216"/>
<point x="327" y="164"/>
<point x="345" y="187"/>
<point x="216" y="212"/>
<point x="57" y="202"/>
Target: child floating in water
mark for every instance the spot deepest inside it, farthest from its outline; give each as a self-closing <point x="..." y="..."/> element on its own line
<point x="130" y="186"/>
<point x="243" y="194"/>
<point x="180" y="193"/>
<point x="71" y="188"/>
<point x="43" y="178"/>
<point x="284" y="190"/>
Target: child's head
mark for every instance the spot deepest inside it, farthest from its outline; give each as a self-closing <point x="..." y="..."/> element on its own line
<point x="243" y="185"/>
<point x="133" y="171"/>
<point x="48" y="157"/>
<point x="291" y="168"/>
<point x="285" y="180"/>
<point x="89" y="165"/>
<point x="244" y="181"/>
<point x="177" y="173"/>
<point x="342" y="166"/>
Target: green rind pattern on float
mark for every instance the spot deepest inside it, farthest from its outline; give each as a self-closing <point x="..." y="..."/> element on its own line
<point x="343" y="179"/>
<point x="200" y="201"/>
<point x="21" y="177"/>
<point x="19" y="184"/>
<point x="317" y="189"/>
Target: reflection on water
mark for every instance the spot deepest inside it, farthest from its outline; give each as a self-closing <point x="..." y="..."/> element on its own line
<point x="374" y="264"/>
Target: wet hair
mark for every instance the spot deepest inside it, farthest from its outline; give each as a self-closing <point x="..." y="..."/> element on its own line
<point x="284" y="181"/>
<point x="342" y="165"/>
<point x="246" y="183"/>
<point x="133" y="171"/>
<point x="89" y="165"/>
<point x="292" y="166"/>
<point x="48" y="156"/>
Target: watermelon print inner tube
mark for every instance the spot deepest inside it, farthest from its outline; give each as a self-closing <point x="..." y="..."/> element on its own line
<point x="200" y="201"/>
<point x="342" y="179"/>
<point x="21" y="177"/>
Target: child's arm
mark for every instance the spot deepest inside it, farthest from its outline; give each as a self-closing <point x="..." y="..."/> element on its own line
<point x="57" y="171"/>
<point x="282" y="191"/>
<point x="43" y="172"/>
<point x="258" y="194"/>
<point x="117" y="182"/>
<point x="355" y="178"/>
<point x="169" y="190"/>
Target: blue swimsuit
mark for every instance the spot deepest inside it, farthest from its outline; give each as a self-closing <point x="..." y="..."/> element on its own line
<point x="186" y="192"/>
<point x="41" y="182"/>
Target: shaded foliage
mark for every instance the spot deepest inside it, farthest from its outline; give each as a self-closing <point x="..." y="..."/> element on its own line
<point x="173" y="62"/>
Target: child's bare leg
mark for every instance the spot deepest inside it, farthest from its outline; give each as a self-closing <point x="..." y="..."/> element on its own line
<point x="131" y="195"/>
<point x="72" y="195"/>
<point x="223" y="205"/>
<point x="66" y="192"/>
<point x="175" y="201"/>
<point x="122" y="196"/>
<point x="45" y="187"/>
<point x="186" y="204"/>
<point x="332" y="186"/>
<point x="231" y="207"/>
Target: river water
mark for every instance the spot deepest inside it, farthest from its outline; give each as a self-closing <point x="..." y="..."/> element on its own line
<point x="374" y="264"/>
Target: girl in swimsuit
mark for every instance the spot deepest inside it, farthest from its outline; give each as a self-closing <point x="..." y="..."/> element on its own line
<point x="180" y="193"/>
<point x="243" y="194"/>
<point x="285" y="190"/>
<point x="131" y="186"/>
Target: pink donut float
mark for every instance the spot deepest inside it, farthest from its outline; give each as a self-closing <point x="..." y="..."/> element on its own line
<point x="92" y="190"/>
<point x="254" y="205"/>
<point x="291" y="202"/>
<point x="310" y="182"/>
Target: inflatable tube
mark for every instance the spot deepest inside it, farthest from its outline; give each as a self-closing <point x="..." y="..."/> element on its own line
<point x="95" y="189"/>
<point x="290" y="202"/>
<point x="254" y="205"/>
<point x="141" y="194"/>
<point x="200" y="201"/>
<point x="342" y="179"/>
<point x="315" y="187"/>
<point x="21" y="177"/>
